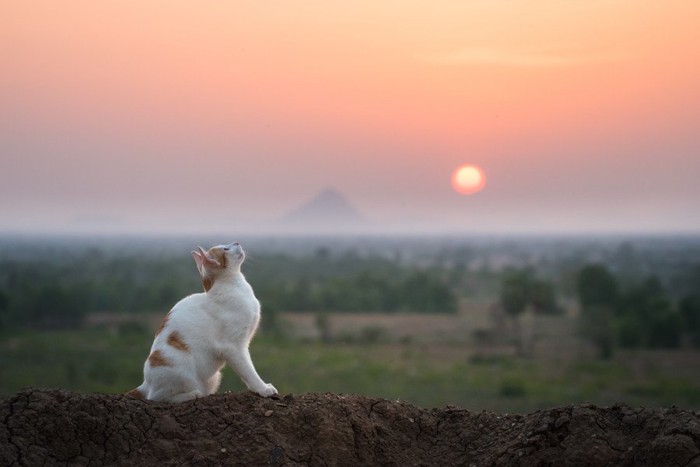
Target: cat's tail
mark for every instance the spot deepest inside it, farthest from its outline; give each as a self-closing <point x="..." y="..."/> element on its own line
<point x="137" y="393"/>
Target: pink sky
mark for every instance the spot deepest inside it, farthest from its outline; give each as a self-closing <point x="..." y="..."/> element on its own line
<point x="179" y="116"/>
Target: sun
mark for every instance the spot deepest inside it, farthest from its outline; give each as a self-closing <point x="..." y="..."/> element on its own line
<point x="468" y="179"/>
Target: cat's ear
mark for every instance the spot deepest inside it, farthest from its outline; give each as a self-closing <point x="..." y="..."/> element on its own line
<point x="198" y="259"/>
<point x="207" y="261"/>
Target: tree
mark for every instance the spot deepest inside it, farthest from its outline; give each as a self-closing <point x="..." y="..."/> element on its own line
<point x="424" y="293"/>
<point x="597" y="291"/>
<point x="543" y="299"/>
<point x="596" y="286"/>
<point x="648" y="317"/>
<point x="596" y="324"/>
<point x="515" y="296"/>
<point x="641" y="316"/>
<point x="515" y="292"/>
<point x="4" y="308"/>
<point x="689" y="308"/>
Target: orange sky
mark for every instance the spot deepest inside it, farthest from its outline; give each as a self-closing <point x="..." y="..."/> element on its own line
<point x="175" y="115"/>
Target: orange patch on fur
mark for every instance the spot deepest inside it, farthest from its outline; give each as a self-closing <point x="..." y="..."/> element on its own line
<point x="135" y="393"/>
<point x="220" y="255"/>
<point x="163" y="323"/>
<point x="207" y="282"/>
<point x="157" y="359"/>
<point x="175" y="339"/>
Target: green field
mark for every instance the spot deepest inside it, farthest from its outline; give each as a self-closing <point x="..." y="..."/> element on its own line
<point x="429" y="374"/>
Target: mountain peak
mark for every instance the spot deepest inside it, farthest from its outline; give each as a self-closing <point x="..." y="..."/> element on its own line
<point x="329" y="208"/>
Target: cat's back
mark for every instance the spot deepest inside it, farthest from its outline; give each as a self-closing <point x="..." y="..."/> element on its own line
<point x="189" y="311"/>
<point x="192" y="302"/>
<point x="192" y="319"/>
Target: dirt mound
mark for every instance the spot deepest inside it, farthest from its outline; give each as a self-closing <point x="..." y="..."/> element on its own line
<point x="53" y="427"/>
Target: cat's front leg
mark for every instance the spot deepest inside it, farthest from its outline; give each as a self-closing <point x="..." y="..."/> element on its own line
<point x="239" y="359"/>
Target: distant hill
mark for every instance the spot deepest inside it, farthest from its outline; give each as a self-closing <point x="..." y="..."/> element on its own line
<point x="328" y="210"/>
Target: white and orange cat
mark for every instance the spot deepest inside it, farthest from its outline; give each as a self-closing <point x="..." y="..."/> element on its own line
<point x="205" y="331"/>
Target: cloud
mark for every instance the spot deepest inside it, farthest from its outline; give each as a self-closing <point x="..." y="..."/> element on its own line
<point x="521" y="58"/>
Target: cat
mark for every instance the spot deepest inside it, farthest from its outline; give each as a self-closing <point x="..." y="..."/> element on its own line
<point x="203" y="332"/>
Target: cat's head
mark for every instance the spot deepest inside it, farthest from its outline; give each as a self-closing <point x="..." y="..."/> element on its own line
<point x="217" y="261"/>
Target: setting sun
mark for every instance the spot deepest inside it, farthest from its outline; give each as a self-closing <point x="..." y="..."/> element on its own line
<point x="468" y="179"/>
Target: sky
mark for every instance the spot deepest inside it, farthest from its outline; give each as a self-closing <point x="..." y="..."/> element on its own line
<point x="177" y="116"/>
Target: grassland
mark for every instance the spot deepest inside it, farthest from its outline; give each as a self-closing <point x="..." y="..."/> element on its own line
<point x="428" y="372"/>
<point x="462" y="356"/>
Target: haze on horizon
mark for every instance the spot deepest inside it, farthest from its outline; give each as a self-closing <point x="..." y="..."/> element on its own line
<point x="151" y="116"/>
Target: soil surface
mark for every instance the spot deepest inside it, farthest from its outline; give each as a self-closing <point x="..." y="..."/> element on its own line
<point x="55" y="427"/>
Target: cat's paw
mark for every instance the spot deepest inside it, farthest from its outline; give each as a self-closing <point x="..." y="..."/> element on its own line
<point x="267" y="391"/>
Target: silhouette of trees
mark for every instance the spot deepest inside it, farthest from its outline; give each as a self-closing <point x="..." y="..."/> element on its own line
<point x="647" y="317"/>
<point x="367" y="291"/>
<point x="543" y="298"/>
<point x="689" y="308"/>
<point x="61" y="293"/>
<point x="520" y="290"/>
<point x="596" y="286"/>
<point x="515" y="292"/>
<point x="598" y="294"/>
<point x="642" y="315"/>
